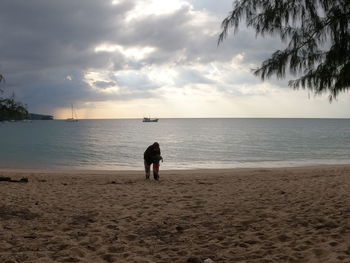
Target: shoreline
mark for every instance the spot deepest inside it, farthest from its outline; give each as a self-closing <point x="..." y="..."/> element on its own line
<point x="165" y="171"/>
<point x="163" y="167"/>
<point x="298" y="214"/>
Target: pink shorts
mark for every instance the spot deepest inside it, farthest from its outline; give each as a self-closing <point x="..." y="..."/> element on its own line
<point x="156" y="167"/>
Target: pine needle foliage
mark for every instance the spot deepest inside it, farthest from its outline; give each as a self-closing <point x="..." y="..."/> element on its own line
<point x="317" y="33"/>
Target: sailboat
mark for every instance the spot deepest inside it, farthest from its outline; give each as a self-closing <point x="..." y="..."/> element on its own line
<point x="72" y="119"/>
<point x="148" y="119"/>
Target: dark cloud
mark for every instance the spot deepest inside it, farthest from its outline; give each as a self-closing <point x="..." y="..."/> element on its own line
<point x="41" y="33"/>
<point x="104" y="84"/>
<point x="45" y="41"/>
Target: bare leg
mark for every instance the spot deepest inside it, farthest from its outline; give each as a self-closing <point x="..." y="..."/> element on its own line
<point x="147" y="169"/>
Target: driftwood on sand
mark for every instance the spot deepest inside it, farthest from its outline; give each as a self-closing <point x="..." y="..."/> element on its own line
<point x="8" y="179"/>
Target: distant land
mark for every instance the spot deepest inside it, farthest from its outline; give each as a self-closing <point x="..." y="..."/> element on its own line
<point x="34" y="116"/>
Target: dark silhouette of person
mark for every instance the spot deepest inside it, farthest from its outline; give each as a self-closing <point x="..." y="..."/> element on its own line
<point x="152" y="155"/>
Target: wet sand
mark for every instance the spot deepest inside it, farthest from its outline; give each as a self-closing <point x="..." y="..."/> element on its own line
<point x="235" y="215"/>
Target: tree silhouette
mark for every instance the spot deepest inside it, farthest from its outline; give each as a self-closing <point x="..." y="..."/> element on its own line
<point x="318" y="36"/>
<point x="10" y="109"/>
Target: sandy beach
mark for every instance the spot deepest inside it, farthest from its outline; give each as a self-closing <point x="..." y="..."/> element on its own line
<point x="236" y="215"/>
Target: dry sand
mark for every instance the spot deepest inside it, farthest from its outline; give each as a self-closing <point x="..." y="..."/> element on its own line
<point x="238" y="215"/>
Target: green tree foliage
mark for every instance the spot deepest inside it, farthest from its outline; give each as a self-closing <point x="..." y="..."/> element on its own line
<point x="318" y="37"/>
<point x="11" y="109"/>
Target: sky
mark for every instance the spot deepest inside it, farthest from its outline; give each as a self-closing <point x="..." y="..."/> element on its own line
<point x="136" y="58"/>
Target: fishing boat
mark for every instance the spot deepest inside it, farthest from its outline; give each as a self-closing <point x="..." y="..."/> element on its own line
<point x="147" y="119"/>
<point x="72" y="119"/>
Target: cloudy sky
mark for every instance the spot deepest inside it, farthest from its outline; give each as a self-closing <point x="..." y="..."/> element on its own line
<point x="135" y="58"/>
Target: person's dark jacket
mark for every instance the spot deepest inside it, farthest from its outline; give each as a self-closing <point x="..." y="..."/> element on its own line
<point x="152" y="154"/>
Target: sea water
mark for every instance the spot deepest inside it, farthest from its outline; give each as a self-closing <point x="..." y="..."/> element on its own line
<point x="185" y="143"/>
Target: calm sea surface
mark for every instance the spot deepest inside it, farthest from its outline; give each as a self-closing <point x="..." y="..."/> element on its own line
<point x="185" y="143"/>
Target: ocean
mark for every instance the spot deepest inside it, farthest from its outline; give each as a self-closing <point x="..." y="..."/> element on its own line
<point x="185" y="143"/>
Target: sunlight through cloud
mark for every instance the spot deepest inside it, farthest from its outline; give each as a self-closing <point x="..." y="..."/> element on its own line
<point x="137" y="53"/>
<point x="155" y="7"/>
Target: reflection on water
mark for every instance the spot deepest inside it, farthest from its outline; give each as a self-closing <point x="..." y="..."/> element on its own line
<point x="185" y="143"/>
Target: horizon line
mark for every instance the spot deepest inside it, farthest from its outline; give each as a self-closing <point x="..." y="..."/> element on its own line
<point x="139" y="118"/>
